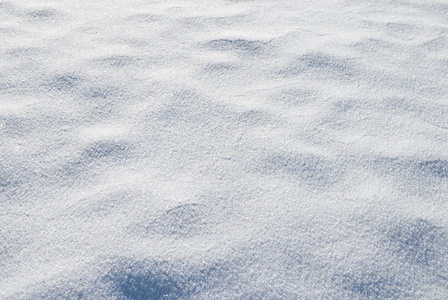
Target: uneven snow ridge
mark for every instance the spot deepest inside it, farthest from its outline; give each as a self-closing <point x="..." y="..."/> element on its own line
<point x="220" y="149"/>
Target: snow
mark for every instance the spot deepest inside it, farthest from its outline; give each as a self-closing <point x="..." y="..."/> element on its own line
<point x="223" y="149"/>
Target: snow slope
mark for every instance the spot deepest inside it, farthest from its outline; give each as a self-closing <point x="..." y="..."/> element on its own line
<point x="223" y="149"/>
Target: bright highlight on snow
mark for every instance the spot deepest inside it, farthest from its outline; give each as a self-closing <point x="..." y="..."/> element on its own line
<point x="223" y="149"/>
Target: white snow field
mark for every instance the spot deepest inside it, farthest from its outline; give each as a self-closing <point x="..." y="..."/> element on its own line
<point x="213" y="149"/>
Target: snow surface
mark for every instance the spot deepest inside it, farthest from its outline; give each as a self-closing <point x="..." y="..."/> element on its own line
<point x="223" y="149"/>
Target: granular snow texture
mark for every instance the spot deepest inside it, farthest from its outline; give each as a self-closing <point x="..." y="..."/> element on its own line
<point x="167" y="149"/>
